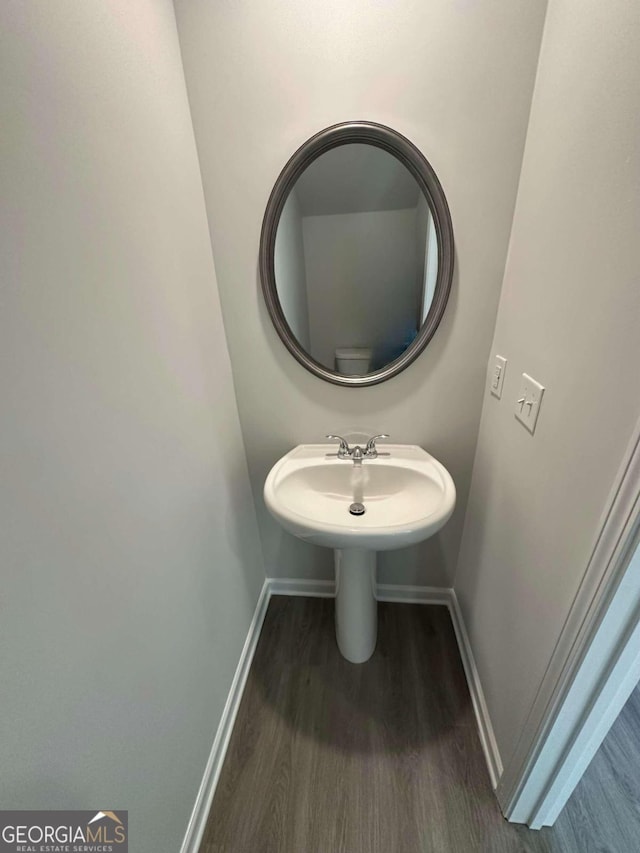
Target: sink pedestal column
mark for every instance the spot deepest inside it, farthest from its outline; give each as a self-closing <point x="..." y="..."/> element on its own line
<point x="356" y="603"/>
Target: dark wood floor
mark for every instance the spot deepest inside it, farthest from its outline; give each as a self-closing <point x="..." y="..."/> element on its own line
<point x="603" y="813"/>
<point x="384" y="757"/>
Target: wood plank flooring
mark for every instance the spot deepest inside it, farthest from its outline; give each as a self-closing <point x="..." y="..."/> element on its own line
<point x="331" y="757"/>
<point x="603" y="813"/>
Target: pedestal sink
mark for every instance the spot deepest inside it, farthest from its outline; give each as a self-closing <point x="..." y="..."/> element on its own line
<point x="407" y="496"/>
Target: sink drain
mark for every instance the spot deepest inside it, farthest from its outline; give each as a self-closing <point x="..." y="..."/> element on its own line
<point x="357" y="509"/>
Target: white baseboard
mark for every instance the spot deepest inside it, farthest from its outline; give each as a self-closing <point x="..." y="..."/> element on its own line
<point x="326" y="589"/>
<point x="293" y="586"/>
<point x="200" y="813"/>
<point x="384" y="592"/>
<point x="485" y="728"/>
<point x="413" y="594"/>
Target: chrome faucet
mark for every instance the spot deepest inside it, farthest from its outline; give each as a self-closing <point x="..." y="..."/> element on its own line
<point x="344" y="451"/>
<point x="371" y="451"/>
<point x="357" y="453"/>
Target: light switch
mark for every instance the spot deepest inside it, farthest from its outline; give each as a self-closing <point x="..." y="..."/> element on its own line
<point x="497" y="376"/>
<point x="528" y="402"/>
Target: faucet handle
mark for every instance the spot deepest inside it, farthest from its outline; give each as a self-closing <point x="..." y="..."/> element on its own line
<point x="371" y="449"/>
<point x="344" y="451"/>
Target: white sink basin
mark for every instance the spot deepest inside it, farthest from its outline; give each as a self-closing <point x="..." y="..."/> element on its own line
<point x="408" y="496"/>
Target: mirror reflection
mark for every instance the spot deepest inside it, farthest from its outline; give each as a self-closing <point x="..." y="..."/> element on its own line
<point x="356" y="259"/>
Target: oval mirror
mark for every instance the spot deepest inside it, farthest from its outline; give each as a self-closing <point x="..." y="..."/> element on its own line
<point x="356" y="253"/>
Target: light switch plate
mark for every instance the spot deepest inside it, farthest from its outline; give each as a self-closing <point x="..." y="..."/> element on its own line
<point x="528" y="402"/>
<point x="496" y="379"/>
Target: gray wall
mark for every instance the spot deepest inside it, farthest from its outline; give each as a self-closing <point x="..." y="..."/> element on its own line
<point x="289" y="267"/>
<point x="353" y="178"/>
<point x="569" y="316"/>
<point x="456" y="78"/>
<point x="361" y="281"/>
<point x="423" y="288"/>
<point x="128" y="541"/>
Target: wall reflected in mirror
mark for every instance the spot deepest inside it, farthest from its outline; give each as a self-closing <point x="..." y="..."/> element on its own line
<point x="356" y="259"/>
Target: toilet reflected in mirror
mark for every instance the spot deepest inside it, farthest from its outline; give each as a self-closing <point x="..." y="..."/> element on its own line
<point x="353" y="361"/>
